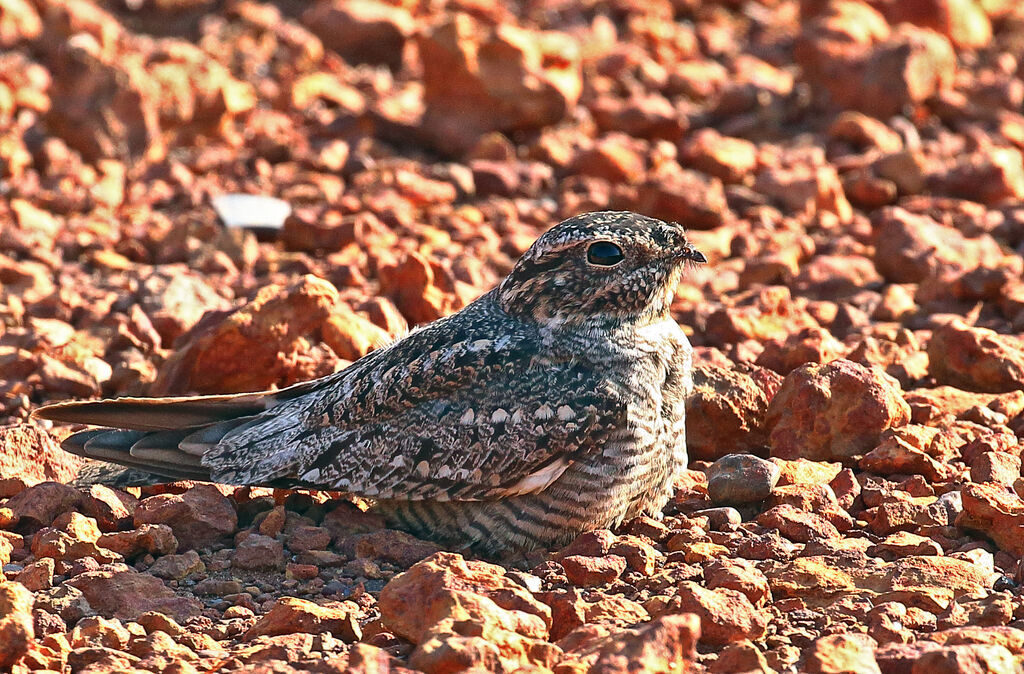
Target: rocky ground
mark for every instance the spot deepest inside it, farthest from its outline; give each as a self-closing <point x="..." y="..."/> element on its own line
<point x="852" y="170"/>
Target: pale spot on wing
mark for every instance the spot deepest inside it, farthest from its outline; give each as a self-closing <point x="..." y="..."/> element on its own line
<point x="541" y="479"/>
<point x="499" y="416"/>
<point x="544" y="412"/>
<point x="423" y="468"/>
<point x="467" y="417"/>
<point x="565" y="413"/>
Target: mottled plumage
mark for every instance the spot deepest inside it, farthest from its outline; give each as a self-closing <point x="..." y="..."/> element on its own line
<point x="552" y="405"/>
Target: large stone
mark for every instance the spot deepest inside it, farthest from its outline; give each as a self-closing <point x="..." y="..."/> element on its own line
<point x="833" y="411"/>
<point x="665" y="644"/>
<point x="910" y="247"/>
<point x="198" y="517"/>
<point x="30" y="454"/>
<point x="116" y="590"/>
<point x="16" y="631"/>
<point x="741" y="478"/>
<point x="478" y="79"/>
<point x="851" y="653"/>
<point x="361" y="31"/>
<point x="261" y="344"/>
<point x="434" y="603"/>
<point x="976" y="359"/>
<point x="726" y="412"/>
<point x="995" y="511"/>
<point x="290" y="614"/>
<point x="415" y="601"/>
<point x="40" y="504"/>
<point x="726" y="615"/>
<point x="929" y="583"/>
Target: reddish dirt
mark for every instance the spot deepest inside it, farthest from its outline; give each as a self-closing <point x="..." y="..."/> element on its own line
<point x="852" y="169"/>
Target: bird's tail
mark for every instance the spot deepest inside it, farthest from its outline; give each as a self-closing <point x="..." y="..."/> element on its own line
<point x="163" y="437"/>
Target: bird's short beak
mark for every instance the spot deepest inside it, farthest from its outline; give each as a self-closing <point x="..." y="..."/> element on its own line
<point x="690" y="253"/>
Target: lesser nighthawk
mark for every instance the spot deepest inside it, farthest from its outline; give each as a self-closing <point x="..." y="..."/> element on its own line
<point x="552" y="405"/>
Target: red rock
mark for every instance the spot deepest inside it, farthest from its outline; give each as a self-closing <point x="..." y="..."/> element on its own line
<point x="725" y="615"/>
<point x="805" y="189"/>
<point x="289" y="615"/>
<point x="931" y="583"/>
<point x="997" y="512"/>
<point x="418" y="289"/>
<point x="901" y="453"/>
<point x="904" y="544"/>
<point x="110" y="508"/>
<point x="258" y="552"/>
<point x="729" y="159"/>
<point x="685" y="196"/>
<point x="726" y="411"/>
<point x="906" y="68"/>
<point x="990" y="177"/>
<point x="304" y="538"/>
<point x="16" y="631"/>
<point x="176" y="567"/>
<point x="154" y="539"/>
<point x="902" y="515"/>
<point x="478" y="79"/>
<point x="417" y="600"/>
<point x="1000" y="467"/>
<point x="72" y="537"/>
<point x="393" y="546"/>
<point x="30" y="454"/>
<point x="911" y="247"/>
<point x="174" y="303"/>
<point x="18" y="23"/>
<point x="267" y="335"/>
<point x="819" y="499"/>
<point x="86" y="85"/>
<point x="642" y="115"/>
<point x="797" y="525"/>
<point x="801" y="471"/>
<point x="854" y="653"/>
<point x="587" y="571"/>
<point x="964" y="22"/>
<point x="98" y="631"/>
<point x="352" y="336"/>
<point x="810" y="345"/>
<point x="364" y="31"/>
<point x="863" y="131"/>
<point x="38" y="575"/>
<point x="198" y="517"/>
<point x="966" y="658"/>
<point x="740" y="575"/>
<point x="857" y="402"/>
<point x="665" y="644"/>
<point x="897" y="657"/>
<point x="615" y="158"/>
<point x="763" y="314"/>
<point x="116" y="590"/>
<point x="42" y="503"/>
<point x="976" y="358"/>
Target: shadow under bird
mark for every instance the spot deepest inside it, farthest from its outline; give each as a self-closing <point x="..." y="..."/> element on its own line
<point x="550" y="406"/>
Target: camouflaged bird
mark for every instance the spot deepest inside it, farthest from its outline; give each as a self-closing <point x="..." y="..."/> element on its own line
<point x="550" y="406"/>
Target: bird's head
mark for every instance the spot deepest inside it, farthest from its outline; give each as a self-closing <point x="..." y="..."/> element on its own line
<point x="612" y="266"/>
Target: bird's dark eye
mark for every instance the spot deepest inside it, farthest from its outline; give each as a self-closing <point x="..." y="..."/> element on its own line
<point x="604" y="253"/>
